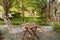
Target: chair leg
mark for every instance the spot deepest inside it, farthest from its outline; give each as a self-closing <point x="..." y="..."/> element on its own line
<point x="35" y="34"/>
<point x="24" y="35"/>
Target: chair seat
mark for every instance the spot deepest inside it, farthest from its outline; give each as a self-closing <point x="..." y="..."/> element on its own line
<point x="30" y="25"/>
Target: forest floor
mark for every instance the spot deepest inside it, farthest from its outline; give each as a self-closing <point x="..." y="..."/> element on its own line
<point x="42" y="35"/>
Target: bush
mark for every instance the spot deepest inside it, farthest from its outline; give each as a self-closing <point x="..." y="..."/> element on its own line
<point x="1" y="22"/>
<point x="16" y="21"/>
<point x="41" y="21"/>
<point x="57" y="26"/>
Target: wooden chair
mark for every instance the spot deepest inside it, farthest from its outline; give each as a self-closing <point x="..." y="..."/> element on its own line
<point x="31" y="29"/>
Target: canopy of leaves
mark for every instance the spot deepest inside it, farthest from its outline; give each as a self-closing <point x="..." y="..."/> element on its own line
<point x="7" y="3"/>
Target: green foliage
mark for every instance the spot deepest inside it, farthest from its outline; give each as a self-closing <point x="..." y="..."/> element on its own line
<point x="41" y="21"/>
<point x="34" y="5"/>
<point x="57" y="26"/>
<point x="9" y="3"/>
<point x="17" y="14"/>
<point x="18" y="20"/>
<point x="1" y="22"/>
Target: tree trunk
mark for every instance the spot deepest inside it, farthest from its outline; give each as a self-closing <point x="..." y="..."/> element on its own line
<point x="6" y="17"/>
<point x="54" y="11"/>
<point x="48" y="10"/>
<point x="22" y="10"/>
<point x="23" y="15"/>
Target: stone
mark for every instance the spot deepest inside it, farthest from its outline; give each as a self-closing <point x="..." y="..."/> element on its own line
<point x="16" y="30"/>
<point x="47" y="28"/>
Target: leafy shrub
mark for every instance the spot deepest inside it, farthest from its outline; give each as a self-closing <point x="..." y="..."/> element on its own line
<point x="16" y="15"/>
<point x="57" y="26"/>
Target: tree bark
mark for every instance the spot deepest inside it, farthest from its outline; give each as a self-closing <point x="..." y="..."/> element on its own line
<point x="22" y="10"/>
<point x="54" y="11"/>
<point x="6" y="17"/>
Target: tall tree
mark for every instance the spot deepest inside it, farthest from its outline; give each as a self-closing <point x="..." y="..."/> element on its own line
<point x="6" y="4"/>
<point x="54" y="10"/>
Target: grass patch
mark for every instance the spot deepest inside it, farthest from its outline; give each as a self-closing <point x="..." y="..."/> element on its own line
<point x="18" y="20"/>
